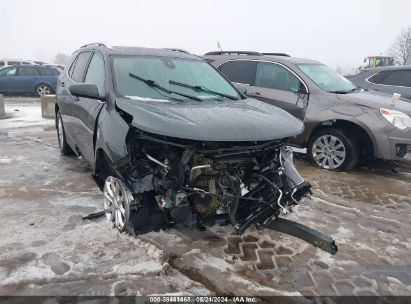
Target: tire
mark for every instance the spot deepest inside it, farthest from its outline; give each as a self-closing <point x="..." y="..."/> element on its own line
<point x="333" y="149"/>
<point x="43" y="89"/>
<point x="61" y="136"/>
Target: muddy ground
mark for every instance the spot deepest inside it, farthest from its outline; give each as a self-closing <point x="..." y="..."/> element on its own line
<point x="47" y="249"/>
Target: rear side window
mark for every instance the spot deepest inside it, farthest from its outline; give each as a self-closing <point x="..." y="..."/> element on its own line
<point x="96" y="73"/>
<point x="70" y="71"/>
<point x="45" y="71"/>
<point x="27" y="71"/>
<point x="274" y="76"/>
<point x="2" y="63"/>
<point x="241" y="71"/>
<point x="394" y="78"/>
<point x="79" y="66"/>
<point x="13" y="62"/>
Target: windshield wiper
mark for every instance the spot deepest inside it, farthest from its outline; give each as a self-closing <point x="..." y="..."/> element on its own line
<point x="345" y="92"/>
<point x="154" y="84"/>
<point x="203" y="89"/>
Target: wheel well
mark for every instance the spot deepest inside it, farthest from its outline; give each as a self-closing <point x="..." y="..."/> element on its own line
<point x="56" y="110"/>
<point x="43" y="83"/>
<point x="364" y="140"/>
<point x="102" y="167"/>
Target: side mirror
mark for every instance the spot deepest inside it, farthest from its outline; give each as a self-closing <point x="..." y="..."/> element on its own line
<point x="302" y="89"/>
<point x="86" y="90"/>
<point x="241" y="87"/>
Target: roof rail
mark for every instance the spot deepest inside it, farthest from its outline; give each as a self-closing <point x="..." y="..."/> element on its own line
<point x="94" y="43"/>
<point x="277" y="54"/>
<point x="177" y="50"/>
<point x="234" y="53"/>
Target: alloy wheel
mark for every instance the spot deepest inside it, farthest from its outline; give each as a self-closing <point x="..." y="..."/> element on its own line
<point x="60" y="131"/>
<point x="329" y="152"/>
<point x="117" y="201"/>
<point x="43" y="90"/>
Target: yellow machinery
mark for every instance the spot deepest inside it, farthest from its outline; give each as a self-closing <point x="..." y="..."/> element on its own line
<point x="377" y="61"/>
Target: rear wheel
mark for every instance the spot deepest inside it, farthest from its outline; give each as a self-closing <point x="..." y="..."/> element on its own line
<point x="333" y="149"/>
<point x="61" y="136"/>
<point x="43" y="89"/>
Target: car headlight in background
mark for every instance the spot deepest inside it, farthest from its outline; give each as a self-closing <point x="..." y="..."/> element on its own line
<point x="398" y="119"/>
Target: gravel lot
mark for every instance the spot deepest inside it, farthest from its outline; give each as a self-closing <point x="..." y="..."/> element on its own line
<point x="47" y="249"/>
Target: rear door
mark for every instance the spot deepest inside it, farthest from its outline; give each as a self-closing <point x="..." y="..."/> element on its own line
<point x="8" y="77"/>
<point x="68" y="103"/>
<point x="28" y="78"/>
<point x="85" y="110"/>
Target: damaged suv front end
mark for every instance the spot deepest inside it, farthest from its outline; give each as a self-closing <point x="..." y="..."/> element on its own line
<point x="176" y="143"/>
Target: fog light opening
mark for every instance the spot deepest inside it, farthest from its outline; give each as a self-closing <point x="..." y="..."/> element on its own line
<point x="401" y="150"/>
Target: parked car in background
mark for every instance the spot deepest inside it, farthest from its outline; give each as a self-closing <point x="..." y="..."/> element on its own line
<point x="28" y="79"/>
<point x="394" y="79"/>
<point x="7" y="62"/>
<point x="343" y="124"/>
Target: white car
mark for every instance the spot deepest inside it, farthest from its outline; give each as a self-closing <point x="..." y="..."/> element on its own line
<point x="6" y="62"/>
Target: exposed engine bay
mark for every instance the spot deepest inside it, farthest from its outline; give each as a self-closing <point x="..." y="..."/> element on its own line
<point x="166" y="181"/>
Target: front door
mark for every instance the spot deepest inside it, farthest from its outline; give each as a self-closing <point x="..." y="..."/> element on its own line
<point x="86" y="111"/>
<point x="8" y="77"/>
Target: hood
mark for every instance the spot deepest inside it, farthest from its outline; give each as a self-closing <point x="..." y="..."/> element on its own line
<point x="376" y="100"/>
<point x="211" y="120"/>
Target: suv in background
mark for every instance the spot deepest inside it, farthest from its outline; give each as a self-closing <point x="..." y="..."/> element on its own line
<point x="387" y="79"/>
<point x="28" y="79"/>
<point x="343" y="124"/>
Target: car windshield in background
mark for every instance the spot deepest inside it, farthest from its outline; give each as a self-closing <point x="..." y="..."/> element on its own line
<point x="326" y="78"/>
<point x="189" y="77"/>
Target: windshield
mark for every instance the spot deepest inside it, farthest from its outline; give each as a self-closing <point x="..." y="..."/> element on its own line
<point x="326" y="78"/>
<point x="199" y="78"/>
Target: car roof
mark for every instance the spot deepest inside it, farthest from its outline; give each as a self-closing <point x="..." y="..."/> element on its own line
<point x="27" y="65"/>
<point x="262" y="57"/>
<point x="389" y="68"/>
<point x="142" y="51"/>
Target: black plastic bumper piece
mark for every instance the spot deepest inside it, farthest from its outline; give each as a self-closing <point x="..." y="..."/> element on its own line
<point x="314" y="237"/>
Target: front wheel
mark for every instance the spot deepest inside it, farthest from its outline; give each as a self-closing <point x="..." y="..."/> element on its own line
<point x="333" y="149"/>
<point x="117" y="200"/>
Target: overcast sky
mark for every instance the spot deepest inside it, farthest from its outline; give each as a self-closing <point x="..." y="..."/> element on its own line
<point x="337" y="33"/>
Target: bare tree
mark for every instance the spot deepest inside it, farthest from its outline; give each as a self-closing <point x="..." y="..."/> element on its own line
<point x="61" y="59"/>
<point x="401" y="48"/>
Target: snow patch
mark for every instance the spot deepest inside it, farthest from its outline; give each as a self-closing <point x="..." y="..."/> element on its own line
<point x="5" y="161"/>
<point x="391" y="250"/>
<point x="143" y="268"/>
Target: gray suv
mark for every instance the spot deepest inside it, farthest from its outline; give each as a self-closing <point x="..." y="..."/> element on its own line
<point x="394" y="79"/>
<point x="343" y="124"/>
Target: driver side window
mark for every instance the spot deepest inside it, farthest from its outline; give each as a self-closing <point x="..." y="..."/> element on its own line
<point x="8" y="72"/>
<point x="274" y="76"/>
<point x="96" y="73"/>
